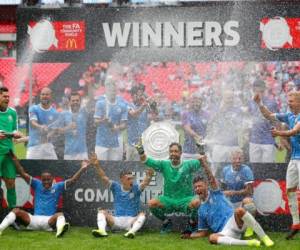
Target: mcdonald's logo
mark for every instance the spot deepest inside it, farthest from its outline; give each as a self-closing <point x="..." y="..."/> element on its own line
<point x="71" y="44"/>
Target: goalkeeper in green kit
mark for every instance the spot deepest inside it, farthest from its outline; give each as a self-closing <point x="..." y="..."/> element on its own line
<point x="178" y="193"/>
<point x="8" y="131"/>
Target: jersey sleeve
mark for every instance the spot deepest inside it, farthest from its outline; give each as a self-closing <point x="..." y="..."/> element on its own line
<point x="282" y="117"/>
<point x="113" y="186"/>
<point x="223" y="175"/>
<point x="33" y="114"/>
<point x="34" y="183"/>
<point x="155" y="164"/>
<point x="60" y="186"/>
<point x="248" y="175"/>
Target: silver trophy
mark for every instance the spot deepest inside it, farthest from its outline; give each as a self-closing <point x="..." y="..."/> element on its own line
<point x="157" y="138"/>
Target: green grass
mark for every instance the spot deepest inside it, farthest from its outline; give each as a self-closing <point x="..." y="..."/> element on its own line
<point x="81" y="239"/>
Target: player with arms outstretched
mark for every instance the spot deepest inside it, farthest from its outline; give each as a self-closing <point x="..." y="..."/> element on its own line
<point x="127" y="215"/>
<point x="46" y="199"/>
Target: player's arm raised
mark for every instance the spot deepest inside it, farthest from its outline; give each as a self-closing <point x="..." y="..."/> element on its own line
<point x="95" y="162"/>
<point x="263" y="109"/>
<point x="147" y="178"/>
<point x="19" y="167"/>
<point x="75" y="177"/>
<point x="211" y="178"/>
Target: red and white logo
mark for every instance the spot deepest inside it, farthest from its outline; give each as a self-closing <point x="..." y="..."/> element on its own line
<point x="275" y="33"/>
<point x="57" y="35"/>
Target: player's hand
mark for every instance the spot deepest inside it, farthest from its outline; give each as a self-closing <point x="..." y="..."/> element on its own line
<point x="73" y="125"/>
<point x="2" y="136"/>
<point x="150" y="172"/>
<point x="203" y="159"/>
<point x="257" y="98"/>
<point x="93" y="159"/>
<point x="114" y="128"/>
<point x="44" y="128"/>
<point x="186" y="235"/>
<point x="139" y="147"/>
<point x="17" y="135"/>
<point x="275" y="132"/>
<point x="85" y="164"/>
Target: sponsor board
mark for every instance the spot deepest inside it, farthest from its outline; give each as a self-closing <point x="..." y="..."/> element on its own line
<point x="215" y="31"/>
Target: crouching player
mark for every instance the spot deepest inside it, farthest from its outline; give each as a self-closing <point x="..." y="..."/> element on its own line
<point x="46" y="199"/>
<point x="127" y="215"/>
<point x="216" y="214"/>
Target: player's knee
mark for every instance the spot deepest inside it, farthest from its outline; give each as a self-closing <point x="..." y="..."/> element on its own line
<point x="16" y="211"/>
<point x="213" y="238"/>
<point x="247" y="200"/>
<point x="59" y="214"/>
<point x="102" y="211"/>
<point x="240" y="212"/>
<point x="142" y="214"/>
<point x="249" y="205"/>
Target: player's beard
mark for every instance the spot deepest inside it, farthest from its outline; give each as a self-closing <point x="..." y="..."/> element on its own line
<point x="3" y="106"/>
<point x="174" y="159"/>
<point x="45" y="102"/>
<point x="75" y="108"/>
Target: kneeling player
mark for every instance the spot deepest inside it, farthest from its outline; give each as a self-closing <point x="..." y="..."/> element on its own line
<point x="46" y="199"/>
<point x="216" y="214"/>
<point x="127" y="215"/>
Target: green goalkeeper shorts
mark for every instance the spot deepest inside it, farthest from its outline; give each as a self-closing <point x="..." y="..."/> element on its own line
<point x="7" y="167"/>
<point x="176" y="205"/>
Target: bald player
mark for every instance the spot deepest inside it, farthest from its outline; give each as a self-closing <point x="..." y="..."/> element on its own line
<point x="41" y="119"/>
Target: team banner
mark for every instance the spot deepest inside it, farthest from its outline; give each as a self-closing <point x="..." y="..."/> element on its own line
<point x="83" y="199"/>
<point x="214" y="31"/>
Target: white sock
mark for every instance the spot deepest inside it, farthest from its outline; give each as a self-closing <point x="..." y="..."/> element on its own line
<point x="60" y="221"/>
<point x="226" y="240"/>
<point x="138" y="223"/>
<point x="293" y="205"/>
<point x="8" y="220"/>
<point x="251" y="222"/>
<point x="101" y="221"/>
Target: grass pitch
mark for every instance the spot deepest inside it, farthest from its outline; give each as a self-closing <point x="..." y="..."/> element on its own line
<point x="81" y="239"/>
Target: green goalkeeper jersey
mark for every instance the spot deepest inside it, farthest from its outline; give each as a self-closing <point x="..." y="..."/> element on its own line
<point x="178" y="180"/>
<point x="8" y="123"/>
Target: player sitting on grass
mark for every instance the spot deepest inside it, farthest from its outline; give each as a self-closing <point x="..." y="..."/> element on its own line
<point x="127" y="215"/>
<point x="216" y="214"/>
<point x="46" y="199"/>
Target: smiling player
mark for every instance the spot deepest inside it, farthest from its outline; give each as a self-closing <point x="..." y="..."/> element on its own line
<point x="127" y="215"/>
